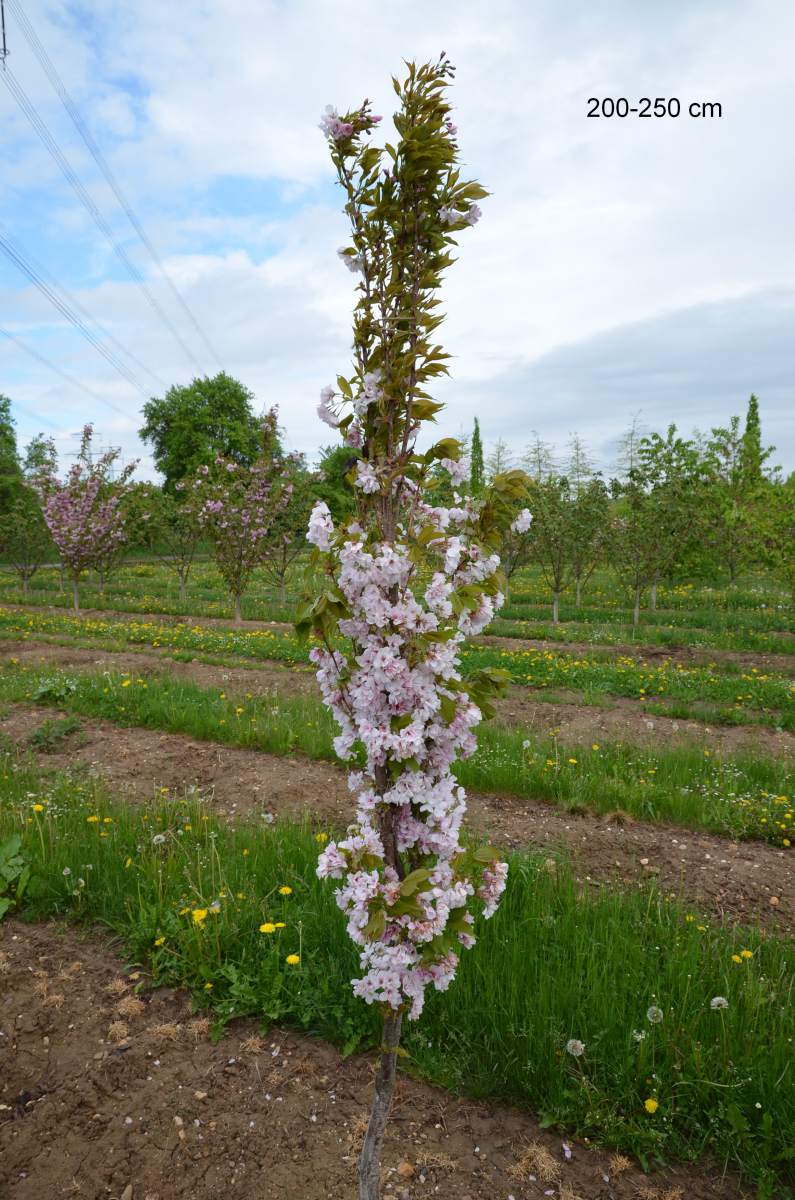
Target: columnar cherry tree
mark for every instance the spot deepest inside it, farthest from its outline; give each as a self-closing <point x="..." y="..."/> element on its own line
<point x="407" y="581"/>
<point x="84" y="512"/>
<point x="238" y="505"/>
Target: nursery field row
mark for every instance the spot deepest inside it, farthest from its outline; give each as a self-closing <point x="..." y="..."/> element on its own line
<point x="745" y="795"/>
<point x="622" y="1016"/>
<point x="722" y="691"/>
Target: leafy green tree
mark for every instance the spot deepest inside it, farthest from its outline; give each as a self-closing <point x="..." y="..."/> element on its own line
<point x="25" y="540"/>
<point x="332" y="483"/>
<point x="591" y="496"/>
<point x="735" y="462"/>
<point x="10" y="470"/>
<point x="41" y="457"/>
<point x="655" y="512"/>
<point x="539" y="459"/>
<point x="477" y="470"/>
<point x="775" y="525"/>
<point x="190" y="426"/>
<point x="567" y="531"/>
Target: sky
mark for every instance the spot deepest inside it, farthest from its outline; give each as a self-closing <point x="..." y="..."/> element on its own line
<point x="623" y="268"/>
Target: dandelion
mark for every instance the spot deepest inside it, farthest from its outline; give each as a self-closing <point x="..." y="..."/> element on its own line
<point x="719" y="1002"/>
<point x="639" y="1034"/>
<point x="158" y="839"/>
<point x="320" y="838"/>
<point x="127" y="863"/>
<point x="293" y="959"/>
<point x="267" y="927"/>
<point x="285" y="891"/>
<point x="654" y="1015"/>
<point x="650" y="1105"/>
<point x="595" y="746"/>
<point x="575" y="1048"/>
<point x="746" y="954"/>
<point x="92" y="820"/>
<point x="736" y="958"/>
<point x="573" y="761"/>
<point x="159" y="941"/>
<point x="126" y="682"/>
<point x="67" y="871"/>
<point x="280" y="925"/>
<point x="38" y="808"/>
<point x="199" y="915"/>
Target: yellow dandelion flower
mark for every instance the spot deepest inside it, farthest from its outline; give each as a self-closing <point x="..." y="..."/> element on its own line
<point x="38" y="808"/>
<point x="159" y="941"/>
<point x="199" y="915"/>
<point x="746" y="954"/>
<point x="285" y="891"/>
<point x="207" y="987"/>
<point x="280" y="925"/>
<point x="736" y="958"/>
<point x="126" y="682"/>
<point x="92" y="820"/>
<point x="127" y="863"/>
<point x="595" y="746"/>
<point x="293" y="959"/>
<point x="572" y="760"/>
<point x="267" y="927"/>
<point x="321" y="837"/>
<point x="650" y="1105"/>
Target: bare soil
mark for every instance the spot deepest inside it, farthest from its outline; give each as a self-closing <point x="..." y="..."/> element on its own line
<point x="573" y="723"/>
<point x="741" y="881"/>
<point x="105" y="1095"/>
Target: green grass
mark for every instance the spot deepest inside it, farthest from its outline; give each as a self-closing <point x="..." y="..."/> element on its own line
<point x="718" y="692"/>
<point x="187" y="896"/>
<point x="747" y="796"/>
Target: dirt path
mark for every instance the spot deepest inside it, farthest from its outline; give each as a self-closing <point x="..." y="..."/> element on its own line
<point x="654" y="654"/>
<point x="105" y="1094"/>
<point x="743" y="881"/>
<point x="617" y="720"/>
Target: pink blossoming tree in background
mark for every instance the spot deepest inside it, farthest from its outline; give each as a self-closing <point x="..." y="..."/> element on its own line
<point x="238" y="507"/>
<point x="85" y="513"/>
<point x="408" y="581"/>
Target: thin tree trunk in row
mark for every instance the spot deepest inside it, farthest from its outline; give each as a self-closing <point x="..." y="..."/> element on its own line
<point x="238" y="613"/>
<point x="369" y="1165"/>
<point x="76" y="595"/>
<point x="555" y="607"/>
<point x="579" y="593"/>
<point x="636" y="610"/>
<point x="653" y="597"/>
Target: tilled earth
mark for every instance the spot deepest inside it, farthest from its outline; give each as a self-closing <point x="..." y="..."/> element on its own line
<point x="110" y="1090"/>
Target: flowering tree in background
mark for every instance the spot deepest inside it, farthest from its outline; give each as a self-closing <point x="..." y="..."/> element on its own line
<point x="171" y="529"/>
<point x="84" y="513"/>
<point x="238" y="505"/>
<point x="408" y="581"/>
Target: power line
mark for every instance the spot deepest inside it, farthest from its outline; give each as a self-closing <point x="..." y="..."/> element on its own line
<point x="63" y="308"/>
<point x="29" y="110"/>
<point x="70" y="379"/>
<point x="99" y="158"/>
<point x="32" y="266"/>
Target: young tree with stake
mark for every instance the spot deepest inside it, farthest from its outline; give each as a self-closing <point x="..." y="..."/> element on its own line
<point x="407" y="581"/>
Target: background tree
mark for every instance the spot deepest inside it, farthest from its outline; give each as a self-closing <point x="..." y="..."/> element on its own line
<point x="84" y="513"/>
<point x="553" y="533"/>
<point x="10" y="469"/>
<point x="592" y="499"/>
<point x="477" y="470"/>
<point x="286" y="539"/>
<point x="775" y="527"/>
<point x="499" y="460"/>
<point x="238" y="504"/>
<point x="539" y="459"/>
<point x="172" y="529"/>
<point x="25" y="540"/>
<point x="191" y="425"/>
<point x="332" y="482"/>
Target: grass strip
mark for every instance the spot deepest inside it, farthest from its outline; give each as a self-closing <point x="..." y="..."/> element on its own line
<point x="630" y="975"/>
<point x="733" y="695"/>
<point x="747" y="796"/>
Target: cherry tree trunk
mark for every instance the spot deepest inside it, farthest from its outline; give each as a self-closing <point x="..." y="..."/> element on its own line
<point x="75" y="595"/>
<point x="636" y="609"/>
<point x="579" y="593"/>
<point x="369" y="1165"/>
<point x="555" y="608"/>
<point x="238" y="613"/>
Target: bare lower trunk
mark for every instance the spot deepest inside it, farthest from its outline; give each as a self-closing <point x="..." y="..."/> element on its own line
<point x="25" y="586"/>
<point x="76" y="596"/>
<point x="555" y="608"/>
<point x="579" y="593"/>
<point x="183" y="590"/>
<point x="238" y="613"/>
<point x="653" y="597"/>
<point x="636" y="610"/>
<point x="369" y="1165"/>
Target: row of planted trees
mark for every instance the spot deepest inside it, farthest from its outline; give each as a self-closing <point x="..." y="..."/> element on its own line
<point x="681" y="508"/>
<point x="250" y="514"/>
